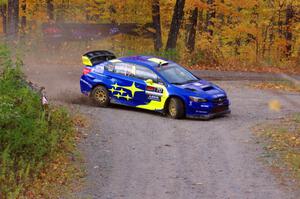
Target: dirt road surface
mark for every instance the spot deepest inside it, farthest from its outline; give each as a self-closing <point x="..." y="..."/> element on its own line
<point x="134" y="154"/>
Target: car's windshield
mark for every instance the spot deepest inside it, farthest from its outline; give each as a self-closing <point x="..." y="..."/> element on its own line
<point x="176" y="74"/>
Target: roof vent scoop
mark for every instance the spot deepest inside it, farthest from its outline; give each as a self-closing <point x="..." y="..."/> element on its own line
<point x="96" y="57"/>
<point x="158" y="61"/>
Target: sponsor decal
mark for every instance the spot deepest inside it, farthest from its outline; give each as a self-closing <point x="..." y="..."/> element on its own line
<point x="99" y="68"/>
<point x="154" y="98"/>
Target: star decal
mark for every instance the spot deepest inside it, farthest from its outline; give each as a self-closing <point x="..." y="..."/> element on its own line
<point x="127" y="97"/>
<point x="112" y="90"/>
<point x="118" y="95"/>
<point x="133" y="89"/>
<point x="115" y="86"/>
<point x="122" y="91"/>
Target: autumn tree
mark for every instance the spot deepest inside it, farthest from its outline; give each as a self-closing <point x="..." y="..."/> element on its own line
<point x="23" y="18"/>
<point x="156" y="24"/>
<point x="50" y="9"/>
<point x="178" y="14"/>
<point x="13" y="17"/>
<point x="288" y="34"/>
<point x="210" y="17"/>
<point x="191" y="33"/>
<point x="3" y="11"/>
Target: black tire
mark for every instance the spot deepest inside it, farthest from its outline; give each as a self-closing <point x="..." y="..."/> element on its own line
<point x="100" y="96"/>
<point x="175" y="108"/>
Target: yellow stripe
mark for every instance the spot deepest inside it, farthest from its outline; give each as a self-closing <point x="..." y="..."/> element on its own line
<point x="155" y="105"/>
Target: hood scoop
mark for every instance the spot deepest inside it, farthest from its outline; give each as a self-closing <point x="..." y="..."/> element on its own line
<point x="208" y="88"/>
<point x="191" y="89"/>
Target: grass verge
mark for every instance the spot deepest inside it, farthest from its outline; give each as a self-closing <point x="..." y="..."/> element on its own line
<point x="36" y="145"/>
<point x="281" y="144"/>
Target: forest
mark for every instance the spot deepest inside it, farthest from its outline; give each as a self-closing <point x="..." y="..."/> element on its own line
<point x="213" y="32"/>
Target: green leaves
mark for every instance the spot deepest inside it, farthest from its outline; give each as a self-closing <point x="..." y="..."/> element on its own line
<point x="27" y="137"/>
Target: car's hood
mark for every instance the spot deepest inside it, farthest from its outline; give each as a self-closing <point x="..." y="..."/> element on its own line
<point x="203" y="87"/>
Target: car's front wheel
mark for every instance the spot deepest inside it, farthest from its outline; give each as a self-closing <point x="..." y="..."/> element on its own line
<point x="176" y="108"/>
<point x="100" y="96"/>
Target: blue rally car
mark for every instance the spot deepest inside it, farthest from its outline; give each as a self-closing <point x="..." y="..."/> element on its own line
<point x="150" y="83"/>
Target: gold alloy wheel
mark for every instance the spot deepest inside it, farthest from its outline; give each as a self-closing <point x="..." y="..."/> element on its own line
<point x="100" y="95"/>
<point x="172" y="108"/>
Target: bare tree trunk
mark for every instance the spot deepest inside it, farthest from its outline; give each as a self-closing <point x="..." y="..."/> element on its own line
<point x="209" y="17"/>
<point x="13" y="17"/>
<point x="201" y="21"/>
<point x="23" y="19"/>
<point x="191" y="37"/>
<point x="16" y="16"/>
<point x="288" y="33"/>
<point x="280" y="23"/>
<point x="156" y="24"/>
<point x="9" y="16"/>
<point x="4" y="17"/>
<point x="176" y="23"/>
<point x="50" y="9"/>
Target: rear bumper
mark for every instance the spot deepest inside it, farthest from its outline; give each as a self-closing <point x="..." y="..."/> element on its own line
<point x="209" y="116"/>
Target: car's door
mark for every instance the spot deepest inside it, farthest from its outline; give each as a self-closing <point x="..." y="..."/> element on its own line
<point x="125" y="88"/>
<point x="156" y="92"/>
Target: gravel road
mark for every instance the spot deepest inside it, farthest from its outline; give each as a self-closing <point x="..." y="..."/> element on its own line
<point x="134" y="154"/>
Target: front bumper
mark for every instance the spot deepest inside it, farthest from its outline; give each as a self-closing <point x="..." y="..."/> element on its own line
<point x="209" y="115"/>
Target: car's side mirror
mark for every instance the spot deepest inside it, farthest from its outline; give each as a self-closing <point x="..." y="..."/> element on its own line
<point x="149" y="81"/>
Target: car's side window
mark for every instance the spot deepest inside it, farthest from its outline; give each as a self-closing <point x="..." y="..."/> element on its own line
<point x="120" y="68"/>
<point x="126" y="69"/>
<point x="109" y="67"/>
<point x="145" y="73"/>
<point x="133" y="70"/>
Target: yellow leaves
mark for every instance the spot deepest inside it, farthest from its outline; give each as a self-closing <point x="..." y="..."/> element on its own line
<point x="191" y="4"/>
<point x="275" y="105"/>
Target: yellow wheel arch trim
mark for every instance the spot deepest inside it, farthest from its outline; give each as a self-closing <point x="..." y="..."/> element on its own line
<point x="155" y="105"/>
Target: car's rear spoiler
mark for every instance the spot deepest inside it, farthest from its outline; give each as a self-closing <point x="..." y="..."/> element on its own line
<point x="96" y="57"/>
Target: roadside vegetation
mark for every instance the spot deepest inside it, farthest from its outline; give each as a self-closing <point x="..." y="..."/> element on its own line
<point x="279" y="85"/>
<point x="281" y="144"/>
<point x="36" y="145"/>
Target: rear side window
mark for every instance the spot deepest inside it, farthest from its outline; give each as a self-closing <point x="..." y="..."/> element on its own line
<point x="124" y="69"/>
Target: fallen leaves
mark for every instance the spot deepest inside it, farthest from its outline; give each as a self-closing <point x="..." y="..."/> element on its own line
<point x="281" y="141"/>
<point x="287" y="69"/>
<point x="53" y="181"/>
<point x="282" y="85"/>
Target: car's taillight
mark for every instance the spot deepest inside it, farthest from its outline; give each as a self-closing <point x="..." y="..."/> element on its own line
<point x="87" y="71"/>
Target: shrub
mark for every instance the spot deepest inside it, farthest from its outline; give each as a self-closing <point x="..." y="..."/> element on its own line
<point x="29" y="136"/>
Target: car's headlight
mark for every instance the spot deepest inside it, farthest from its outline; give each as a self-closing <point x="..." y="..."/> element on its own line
<point x="197" y="99"/>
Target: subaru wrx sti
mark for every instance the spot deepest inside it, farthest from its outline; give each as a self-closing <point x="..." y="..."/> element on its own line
<point x="152" y="83"/>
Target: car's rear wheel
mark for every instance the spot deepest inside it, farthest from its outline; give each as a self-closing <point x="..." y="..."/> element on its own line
<point x="100" y="96"/>
<point x="176" y="108"/>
